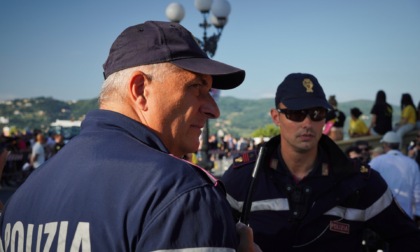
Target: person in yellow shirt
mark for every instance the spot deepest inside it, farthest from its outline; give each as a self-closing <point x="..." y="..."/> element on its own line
<point x="357" y="126"/>
<point x="408" y="116"/>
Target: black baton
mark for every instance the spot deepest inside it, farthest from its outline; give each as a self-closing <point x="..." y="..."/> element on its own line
<point x="246" y="209"/>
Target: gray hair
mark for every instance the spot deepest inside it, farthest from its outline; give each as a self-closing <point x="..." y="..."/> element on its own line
<point x="113" y="88"/>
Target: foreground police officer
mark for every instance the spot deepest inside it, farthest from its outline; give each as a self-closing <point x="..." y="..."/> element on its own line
<point x="122" y="185"/>
<point x="309" y="196"/>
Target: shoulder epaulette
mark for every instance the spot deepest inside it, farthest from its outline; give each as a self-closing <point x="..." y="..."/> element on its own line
<point x="244" y="158"/>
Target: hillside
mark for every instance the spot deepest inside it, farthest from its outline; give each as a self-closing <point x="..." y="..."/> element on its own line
<point x="240" y="117"/>
<point x="40" y="112"/>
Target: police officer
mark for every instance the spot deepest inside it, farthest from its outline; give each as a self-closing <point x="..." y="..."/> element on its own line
<point x="308" y="195"/>
<point x="121" y="184"/>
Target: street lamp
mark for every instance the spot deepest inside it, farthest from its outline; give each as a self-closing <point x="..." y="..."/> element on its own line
<point x="215" y="13"/>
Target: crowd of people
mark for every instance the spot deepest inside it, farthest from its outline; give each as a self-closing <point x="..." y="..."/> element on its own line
<point x="229" y="146"/>
<point x="381" y="118"/>
<point x="123" y="183"/>
<point x="27" y="152"/>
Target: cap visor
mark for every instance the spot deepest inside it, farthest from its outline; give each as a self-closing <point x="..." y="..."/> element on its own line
<point x="224" y="76"/>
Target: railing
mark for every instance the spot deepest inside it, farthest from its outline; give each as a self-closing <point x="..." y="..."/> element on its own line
<point x="374" y="141"/>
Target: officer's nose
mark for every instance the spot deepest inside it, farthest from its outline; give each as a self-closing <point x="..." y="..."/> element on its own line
<point x="210" y="108"/>
<point x="307" y="122"/>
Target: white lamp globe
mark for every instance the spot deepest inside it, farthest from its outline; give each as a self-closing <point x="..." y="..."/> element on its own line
<point x="203" y="6"/>
<point x="220" y="8"/>
<point x="218" y="22"/>
<point x="175" y="12"/>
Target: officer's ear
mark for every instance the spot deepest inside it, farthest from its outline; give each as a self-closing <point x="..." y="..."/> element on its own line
<point x="137" y="90"/>
<point x="275" y="116"/>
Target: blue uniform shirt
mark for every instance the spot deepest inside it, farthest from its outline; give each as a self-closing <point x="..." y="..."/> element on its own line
<point x="115" y="188"/>
<point x="328" y="210"/>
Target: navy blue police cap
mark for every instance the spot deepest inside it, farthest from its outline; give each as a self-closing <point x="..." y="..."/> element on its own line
<point x="301" y="91"/>
<point x="157" y="42"/>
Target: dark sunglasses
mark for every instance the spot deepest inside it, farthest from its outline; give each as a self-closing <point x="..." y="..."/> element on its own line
<point x="316" y="114"/>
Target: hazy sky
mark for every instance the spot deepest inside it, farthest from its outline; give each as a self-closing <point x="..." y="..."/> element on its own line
<point x="355" y="48"/>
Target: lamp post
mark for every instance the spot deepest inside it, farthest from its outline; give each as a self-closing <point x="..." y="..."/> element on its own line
<point x="215" y="13"/>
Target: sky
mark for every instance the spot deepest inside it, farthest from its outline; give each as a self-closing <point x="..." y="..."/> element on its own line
<point x="56" y="48"/>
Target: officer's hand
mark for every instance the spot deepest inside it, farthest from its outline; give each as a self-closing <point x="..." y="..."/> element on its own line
<point x="246" y="236"/>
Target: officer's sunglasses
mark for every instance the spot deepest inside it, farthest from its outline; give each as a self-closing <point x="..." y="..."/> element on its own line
<point x="316" y="114"/>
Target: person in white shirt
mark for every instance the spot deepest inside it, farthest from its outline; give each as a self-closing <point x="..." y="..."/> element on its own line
<point x="401" y="174"/>
<point x="38" y="152"/>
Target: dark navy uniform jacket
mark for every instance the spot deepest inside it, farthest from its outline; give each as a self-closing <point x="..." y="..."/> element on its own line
<point x="115" y="188"/>
<point x="326" y="211"/>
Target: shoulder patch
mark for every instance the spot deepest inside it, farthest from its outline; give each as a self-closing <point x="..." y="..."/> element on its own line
<point x="363" y="168"/>
<point x="245" y="158"/>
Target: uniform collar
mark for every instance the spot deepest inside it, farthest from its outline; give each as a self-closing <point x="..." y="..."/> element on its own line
<point x="394" y="152"/>
<point x="113" y="121"/>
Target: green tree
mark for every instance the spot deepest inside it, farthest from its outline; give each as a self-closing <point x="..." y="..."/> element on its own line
<point x="269" y="130"/>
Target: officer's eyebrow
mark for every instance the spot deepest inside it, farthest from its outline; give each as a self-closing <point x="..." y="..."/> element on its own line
<point x="202" y="80"/>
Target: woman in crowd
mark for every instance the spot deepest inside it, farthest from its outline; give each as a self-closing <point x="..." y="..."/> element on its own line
<point x="381" y="115"/>
<point x="334" y="121"/>
<point x="408" y="115"/>
<point x="357" y="126"/>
